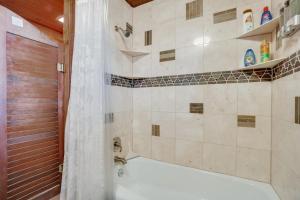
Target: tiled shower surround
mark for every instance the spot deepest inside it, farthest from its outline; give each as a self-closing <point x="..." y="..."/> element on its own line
<point x="246" y="126"/>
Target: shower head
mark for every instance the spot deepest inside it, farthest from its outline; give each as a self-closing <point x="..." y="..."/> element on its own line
<point x="126" y="32"/>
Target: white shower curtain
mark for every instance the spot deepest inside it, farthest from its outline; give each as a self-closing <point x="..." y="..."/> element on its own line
<point x="87" y="173"/>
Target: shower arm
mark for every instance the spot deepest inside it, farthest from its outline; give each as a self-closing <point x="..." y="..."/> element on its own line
<point x="126" y="32"/>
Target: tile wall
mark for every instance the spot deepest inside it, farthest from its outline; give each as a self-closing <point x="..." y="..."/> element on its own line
<point x="285" y="132"/>
<point x="120" y="102"/>
<point x="211" y="141"/>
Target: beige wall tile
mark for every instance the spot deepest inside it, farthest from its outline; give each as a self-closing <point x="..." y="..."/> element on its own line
<point x="142" y="123"/>
<point x="224" y="133"/>
<point x="189" y="60"/>
<point x="142" y="99"/>
<point x="163" y="99"/>
<point x="186" y="95"/>
<point x="142" y="65"/>
<point x="214" y="62"/>
<point x="166" y="121"/>
<point x="220" y="31"/>
<point x="162" y="68"/>
<point x="141" y="144"/>
<point x="284" y="92"/>
<point x="163" y="149"/>
<point x="163" y="11"/>
<point x="189" y="31"/>
<point x="254" y="99"/>
<point x="164" y="36"/>
<point x="219" y="158"/>
<point x="220" y="99"/>
<point x="258" y="137"/>
<point x="285" y="182"/>
<point x="120" y="99"/>
<point x="285" y="144"/>
<point x="218" y="5"/>
<point x="189" y="153"/>
<point x="121" y="124"/>
<point x="254" y="164"/>
<point x="189" y="126"/>
<point x="142" y="17"/>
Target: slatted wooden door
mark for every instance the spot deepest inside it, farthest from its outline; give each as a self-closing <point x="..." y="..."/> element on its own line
<point x="32" y="118"/>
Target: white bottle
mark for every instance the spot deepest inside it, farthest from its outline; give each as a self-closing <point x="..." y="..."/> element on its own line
<point x="248" y="20"/>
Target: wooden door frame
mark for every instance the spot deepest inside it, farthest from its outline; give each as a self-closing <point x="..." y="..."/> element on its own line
<point x="68" y="35"/>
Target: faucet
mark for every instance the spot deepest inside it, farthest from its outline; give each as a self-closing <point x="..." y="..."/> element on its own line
<point x="118" y="148"/>
<point x="120" y="160"/>
<point x="117" y="144"/>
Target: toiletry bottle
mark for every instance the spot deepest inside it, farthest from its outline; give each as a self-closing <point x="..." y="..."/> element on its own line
<point x="266" y="16"/>
<point x="250" y="58"/>
<point x="265" y="51"/>
<point x="248" y="20"/>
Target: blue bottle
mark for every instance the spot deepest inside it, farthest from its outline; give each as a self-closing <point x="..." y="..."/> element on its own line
<point x="266" y="16"/>
<point x="250" y="58"/>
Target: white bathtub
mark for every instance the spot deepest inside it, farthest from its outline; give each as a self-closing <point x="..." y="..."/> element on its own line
<point x="145" y="179"/>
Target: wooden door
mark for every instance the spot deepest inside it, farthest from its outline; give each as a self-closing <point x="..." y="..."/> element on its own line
<point x="32" y="119"/>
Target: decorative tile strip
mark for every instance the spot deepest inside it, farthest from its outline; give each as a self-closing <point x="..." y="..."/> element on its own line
<point x="196" y="108"/>
<point x="239" y="76"/>
<point x="148" y="38"/>
<point x="156" y="130"/>
<point x="119" y="81"/>
<point x="167" y="55"/>
<point x="285" y="68"/>
<point x="194" y="9"/>
<point x="224" y="16"/>
<point x="297" y="110"/>
<point x="246" y="121"/>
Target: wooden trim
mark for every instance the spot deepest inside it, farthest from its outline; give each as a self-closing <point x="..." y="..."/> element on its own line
<point x="3" y="135"/>
<point x="136" y="3"/>
<point x="61" y="112"/>
<point x="69" y="31"/>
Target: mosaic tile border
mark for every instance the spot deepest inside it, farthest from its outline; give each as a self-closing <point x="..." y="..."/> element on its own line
<point x="121" y="81"/>
<point x="287" y="67"/>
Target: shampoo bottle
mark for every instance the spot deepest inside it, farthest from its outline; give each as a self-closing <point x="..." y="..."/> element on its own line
<point x="266" y="16"/>
<point x="250" y="58"/>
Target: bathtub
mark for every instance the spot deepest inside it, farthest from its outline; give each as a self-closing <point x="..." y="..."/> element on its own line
<point x="146" y="179"/>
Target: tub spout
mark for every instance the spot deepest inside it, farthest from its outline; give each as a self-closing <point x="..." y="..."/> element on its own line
<point x="120" y="160"/>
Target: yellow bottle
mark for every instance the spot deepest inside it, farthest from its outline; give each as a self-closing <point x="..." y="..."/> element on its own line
<point x="265" y="51"/>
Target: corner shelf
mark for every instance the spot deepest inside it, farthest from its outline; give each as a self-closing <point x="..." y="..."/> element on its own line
<point x="266" y="28"/>
<point x="134" y="53"/>
<point x="269" y="64"/>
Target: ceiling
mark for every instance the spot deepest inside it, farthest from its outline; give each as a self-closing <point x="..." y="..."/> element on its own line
<point x="43" y="12"/>
<point x="135" y="3"/>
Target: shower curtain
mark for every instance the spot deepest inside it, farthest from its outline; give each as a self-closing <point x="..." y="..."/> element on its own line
<point x="87" y="172"/>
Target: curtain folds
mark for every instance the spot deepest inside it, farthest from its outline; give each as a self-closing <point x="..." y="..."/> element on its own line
<point x="88" y="163"/>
